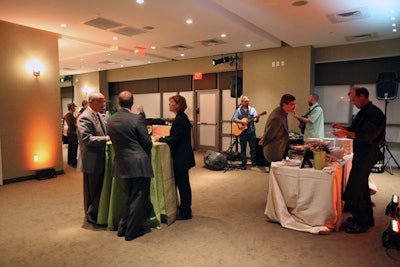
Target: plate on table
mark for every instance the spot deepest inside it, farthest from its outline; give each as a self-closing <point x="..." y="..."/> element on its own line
<point x="299" y="147"/>
<point x="292" y="162"/>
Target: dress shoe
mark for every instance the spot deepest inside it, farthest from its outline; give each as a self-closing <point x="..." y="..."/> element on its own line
<point x="351" y="220"/>
<point x="356" y="229"/>
<point x="130" y="238"/>
<point x="90" y="219"/>
<point x="121" y="233"/>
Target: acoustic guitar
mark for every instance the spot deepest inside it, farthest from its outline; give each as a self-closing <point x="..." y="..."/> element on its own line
<point x="238" y="128"/>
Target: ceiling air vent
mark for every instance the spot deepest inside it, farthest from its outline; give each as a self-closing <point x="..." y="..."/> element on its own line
<point x="128" y="31"/>
<point x="102" y="23"/>
<point x="112" y="26"/>
<point x="180" y="47"/>
<point x="349" y="15"/>
<point x="361" y="37"/>
<point x="108" y="62"/>
<point x="210" y="42"/>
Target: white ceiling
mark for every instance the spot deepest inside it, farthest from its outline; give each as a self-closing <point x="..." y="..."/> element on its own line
<point x="161" y="23"/>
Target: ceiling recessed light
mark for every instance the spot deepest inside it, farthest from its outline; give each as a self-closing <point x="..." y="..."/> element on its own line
<point x="115" y="38"/>
<point x="189" y="21"/>
<point x="248" y="45"/>
<point x="182" y="55"/>
<point x="139" y="1"/>
<point x="153" y="47"/>
<point x="63" y="25"/>
<point x="223" y="35"/>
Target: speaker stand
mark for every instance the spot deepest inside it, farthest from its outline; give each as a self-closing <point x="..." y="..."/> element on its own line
<point x="387" y="154"/>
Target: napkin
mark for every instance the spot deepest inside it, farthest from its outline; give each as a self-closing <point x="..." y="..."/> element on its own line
<point x="332" y="168"/>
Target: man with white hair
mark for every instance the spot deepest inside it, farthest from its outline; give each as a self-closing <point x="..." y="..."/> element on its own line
<point x="92" y="136"/>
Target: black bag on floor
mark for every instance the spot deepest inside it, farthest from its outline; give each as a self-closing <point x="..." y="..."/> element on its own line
<point x="215" y="160"/>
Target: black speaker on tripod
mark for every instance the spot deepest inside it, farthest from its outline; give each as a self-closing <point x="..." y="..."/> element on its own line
<point x="386" y="89"/>
<point x="386" y="85"/>
<point x="236" y="81"/>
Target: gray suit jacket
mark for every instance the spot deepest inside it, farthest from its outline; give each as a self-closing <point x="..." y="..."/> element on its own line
<point x="132" y="145"/>
<point x="276" y="135"/>
<point x="92" y="142"/>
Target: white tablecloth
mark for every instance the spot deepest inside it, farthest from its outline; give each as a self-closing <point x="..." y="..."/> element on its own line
<point x="305" y="199"/>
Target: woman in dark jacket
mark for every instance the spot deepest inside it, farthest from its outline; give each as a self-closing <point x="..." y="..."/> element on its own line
<point x="180" y="142"/>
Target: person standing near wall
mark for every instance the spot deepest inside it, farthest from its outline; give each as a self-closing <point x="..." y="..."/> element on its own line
<point x="92" y="136"/>
<point x="246" y="116"/>
<point x="70" y="119"/>
<point x="85" y="103"/>
<point x="313" y="121"/>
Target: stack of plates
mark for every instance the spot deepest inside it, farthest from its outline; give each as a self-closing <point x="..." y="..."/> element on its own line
<point x="292" y="162"/>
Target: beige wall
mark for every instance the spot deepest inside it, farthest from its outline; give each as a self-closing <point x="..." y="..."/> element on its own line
<point x="376" y="49"/>
<point x="168" y="69"/>
<point x="29" y="106"/>
<point x="265" y="85"/>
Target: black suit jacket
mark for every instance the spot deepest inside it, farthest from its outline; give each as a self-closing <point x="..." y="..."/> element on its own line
<point x="180" y="142"/>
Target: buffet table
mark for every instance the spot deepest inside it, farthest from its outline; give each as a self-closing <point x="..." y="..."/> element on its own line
<point x="163" y="198"/>
<point x="306" y="199"/>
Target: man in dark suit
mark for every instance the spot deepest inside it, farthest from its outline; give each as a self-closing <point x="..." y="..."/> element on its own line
<point x="132" y="163"/>
<point x="92" y="138"/>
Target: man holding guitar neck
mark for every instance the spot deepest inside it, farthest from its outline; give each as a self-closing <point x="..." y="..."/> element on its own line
<point x="243" y="125"/>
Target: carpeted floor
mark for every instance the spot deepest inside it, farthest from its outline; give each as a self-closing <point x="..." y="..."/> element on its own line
<point x="42" y="224"/>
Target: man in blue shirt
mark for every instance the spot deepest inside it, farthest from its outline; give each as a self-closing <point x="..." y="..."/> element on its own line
<point x="244" y="117"/>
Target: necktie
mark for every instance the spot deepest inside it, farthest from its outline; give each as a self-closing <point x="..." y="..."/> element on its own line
<point x="101" y="124"/>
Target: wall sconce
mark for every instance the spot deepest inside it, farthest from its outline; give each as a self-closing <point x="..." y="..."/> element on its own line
<point x="86" y="90"/>
<point x="35" y="67"/>
<point x="35" y="158"/>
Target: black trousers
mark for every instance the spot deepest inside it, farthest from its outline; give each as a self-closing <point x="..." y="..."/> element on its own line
<point x="72" y="149"/>
<point x="92" y="185"/>
<point x="135" y="212"/>
<point x="357" y="194"/>
<point x="185" y="193"/>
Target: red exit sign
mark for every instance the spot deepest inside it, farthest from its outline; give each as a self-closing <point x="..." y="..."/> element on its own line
<point x="198" y="76"/>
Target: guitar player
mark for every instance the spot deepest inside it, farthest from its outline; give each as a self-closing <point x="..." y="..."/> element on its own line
<point x="246" y="116"/>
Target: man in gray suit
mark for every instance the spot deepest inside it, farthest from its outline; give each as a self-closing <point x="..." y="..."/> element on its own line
<point x="132" y="163"/>
<point x="92" y="137"/>
<point x="276" y="132"/>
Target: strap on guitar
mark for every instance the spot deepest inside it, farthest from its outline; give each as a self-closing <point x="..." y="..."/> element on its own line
<point x="308" y="113"/>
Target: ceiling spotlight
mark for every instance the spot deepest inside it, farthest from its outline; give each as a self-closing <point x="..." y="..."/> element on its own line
<point x="221" y="60"/>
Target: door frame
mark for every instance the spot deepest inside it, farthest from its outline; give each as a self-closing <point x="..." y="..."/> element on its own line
<point x="216" y="146"/>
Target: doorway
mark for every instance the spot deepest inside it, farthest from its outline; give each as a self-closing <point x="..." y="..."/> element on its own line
<point x="207" y="118"/>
